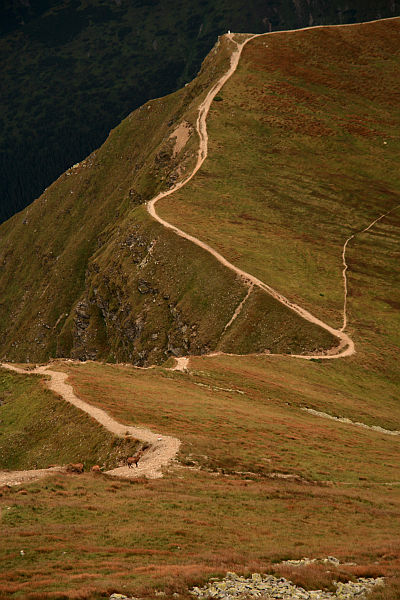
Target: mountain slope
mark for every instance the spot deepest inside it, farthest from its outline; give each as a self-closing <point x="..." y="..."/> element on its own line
<point x="71" y="70"/>
<point x="37" y="429"/>
<point x="104" y="280"/>
<point x="88" y="273"/>
<point x="281" y="458"/>
<point x="304" y="145"/>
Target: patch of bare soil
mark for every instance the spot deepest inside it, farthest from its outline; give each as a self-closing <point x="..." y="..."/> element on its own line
<point x="181" y="134"/>
<point x="19" y="477"/>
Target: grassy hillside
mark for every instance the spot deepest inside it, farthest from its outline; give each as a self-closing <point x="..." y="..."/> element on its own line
<point x="260" y="479"/>
<point x="87" y="272"/>
<point x="96" y="538"/>
<point x="72" y="69"/>
<point x="304" y="143"/>
<point x="38" y="429"/>
<point x="244" y="415"/>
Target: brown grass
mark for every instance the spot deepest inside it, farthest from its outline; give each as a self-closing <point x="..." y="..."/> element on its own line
<point x="162" y="535"/>
<point x="314" y="576"/>
<point x="93" y="536"/>
<point x="391" y="590"/>
<point x="259" y="430"/>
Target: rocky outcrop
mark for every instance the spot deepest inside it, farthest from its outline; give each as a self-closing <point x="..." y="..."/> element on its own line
<point x="138" y="306"/>
<point x="270" y="587"/>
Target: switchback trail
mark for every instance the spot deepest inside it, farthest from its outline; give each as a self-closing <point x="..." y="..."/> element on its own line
<point x="163" y="449"/>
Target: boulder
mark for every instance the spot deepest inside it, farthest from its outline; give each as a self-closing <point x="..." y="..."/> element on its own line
<point x="75" y="468"/>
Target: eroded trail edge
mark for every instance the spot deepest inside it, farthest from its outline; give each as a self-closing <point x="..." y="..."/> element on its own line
<point x="162" y="450"/>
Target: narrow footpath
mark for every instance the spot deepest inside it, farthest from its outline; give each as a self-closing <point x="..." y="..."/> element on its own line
<point x="345" y="345"/>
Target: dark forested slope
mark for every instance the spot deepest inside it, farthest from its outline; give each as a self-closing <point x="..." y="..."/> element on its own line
<point x="72" y="69"/>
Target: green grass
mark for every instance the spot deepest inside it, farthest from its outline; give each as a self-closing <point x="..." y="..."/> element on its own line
<point x="70" y="222"/>
<point x="239" y="418"/>
<point x="86" y="536"/>
<point x="92" y="247"/>
<point x="39" y="429"/>
<point x="296" y="164"/>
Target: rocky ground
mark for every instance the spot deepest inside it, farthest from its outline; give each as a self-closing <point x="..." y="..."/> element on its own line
<point x="268" y="587"/>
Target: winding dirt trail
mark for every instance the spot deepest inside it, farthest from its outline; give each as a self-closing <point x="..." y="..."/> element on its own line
<point x="163" y="449"/>
<point x="161" y="453"/>
<point x="346" y="345"/>
<point x="346" y="266"/>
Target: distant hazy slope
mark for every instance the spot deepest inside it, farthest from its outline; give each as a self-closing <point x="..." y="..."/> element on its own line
<point x="72" y="69"/>
<point x="87" y="273"/>
<point x="304" y="151"/>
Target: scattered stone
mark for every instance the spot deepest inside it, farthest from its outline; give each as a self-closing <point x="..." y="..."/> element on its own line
<point x="309" y="561"/>
<point x="144" y="287"/>
<point x="273" y="588"/>
<point x="121" y="597"/>
<point x="347" y="421"/>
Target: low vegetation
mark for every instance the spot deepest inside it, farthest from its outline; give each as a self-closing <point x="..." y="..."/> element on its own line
<point x="244" y="419"/>
<point x="38" y="429"/>
<point x="302" y="154"/>
<point x="85" y="536"/>
<point x="106" y="281"/>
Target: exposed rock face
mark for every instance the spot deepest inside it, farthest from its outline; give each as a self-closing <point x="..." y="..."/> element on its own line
<point x="136" y="306"/>
<point x="90" y="287"/>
